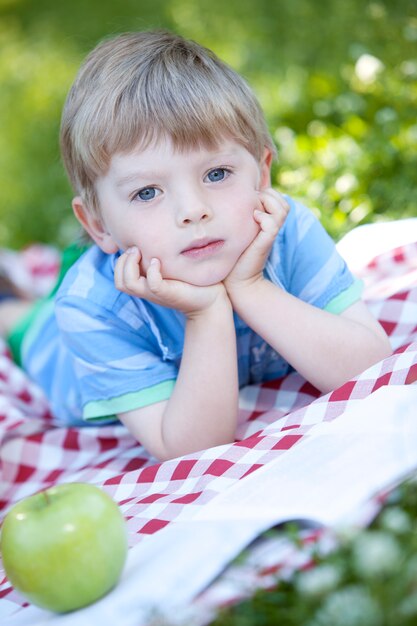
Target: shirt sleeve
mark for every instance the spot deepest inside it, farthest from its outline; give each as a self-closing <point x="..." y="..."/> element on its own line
<point x="306" y="263"/>
<point x="117" y="361"/>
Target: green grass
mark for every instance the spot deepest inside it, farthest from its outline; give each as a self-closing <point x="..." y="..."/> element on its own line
<point x="347" y="141"/>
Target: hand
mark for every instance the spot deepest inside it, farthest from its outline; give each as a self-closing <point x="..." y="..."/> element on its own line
<point x="175" y="294"/>
<point x="270" y="217"/>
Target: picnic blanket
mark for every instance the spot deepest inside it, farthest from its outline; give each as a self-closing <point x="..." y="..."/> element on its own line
<point x="36" y="453"/>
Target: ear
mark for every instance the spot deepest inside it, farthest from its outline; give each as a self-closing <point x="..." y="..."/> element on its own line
<point x="94" y="226"/>
<point x="265" y="169"/>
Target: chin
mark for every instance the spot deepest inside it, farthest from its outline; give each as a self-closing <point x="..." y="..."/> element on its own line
<point x="205" y="279"/>
<point x="206" y="283"/>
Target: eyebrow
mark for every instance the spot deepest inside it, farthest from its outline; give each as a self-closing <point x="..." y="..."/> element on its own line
<point x="130" y="178"/>
<point x="133" y="176"/>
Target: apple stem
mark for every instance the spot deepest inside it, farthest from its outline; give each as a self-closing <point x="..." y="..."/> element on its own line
<point x="45" y="495"/>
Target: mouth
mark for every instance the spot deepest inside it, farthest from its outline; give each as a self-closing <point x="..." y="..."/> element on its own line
<point x="202" y="248"/>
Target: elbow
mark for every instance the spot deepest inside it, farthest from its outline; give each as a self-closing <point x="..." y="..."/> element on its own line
<point x="169" y="451"/>
<point x="380" y="350"/>
<point x="374" y="351"/>
<point x="386" y="349"/>
<point x="383" y="348"/>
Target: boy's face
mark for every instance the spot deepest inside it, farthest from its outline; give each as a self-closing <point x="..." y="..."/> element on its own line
<point x="193" y="209"/>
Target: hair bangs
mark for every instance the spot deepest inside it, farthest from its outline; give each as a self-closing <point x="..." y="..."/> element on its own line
<point x="139" y="88"/>
<point x="189" y="115"/>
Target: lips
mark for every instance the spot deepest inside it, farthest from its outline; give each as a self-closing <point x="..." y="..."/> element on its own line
<point x="203" y="247"/>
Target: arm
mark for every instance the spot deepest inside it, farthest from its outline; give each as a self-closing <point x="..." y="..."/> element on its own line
<point x="202" y="410"/>
<point x="326" y="349"/>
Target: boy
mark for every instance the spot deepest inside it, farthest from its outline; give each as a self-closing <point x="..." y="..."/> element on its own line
<point x="202" y="278"/>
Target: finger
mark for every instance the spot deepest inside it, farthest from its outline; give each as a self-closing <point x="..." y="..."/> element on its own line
<point x="154" y="276"/>
<point x="119" y="270"/>
<point x="131" y="277"/>
<point x="267" y="222"/>
<point x="273" y="201"/>
<point x="274" y="204"/>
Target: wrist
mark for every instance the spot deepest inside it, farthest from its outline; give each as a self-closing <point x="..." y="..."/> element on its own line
<point x="218" y="305"/>
<point x="243" y="290"/>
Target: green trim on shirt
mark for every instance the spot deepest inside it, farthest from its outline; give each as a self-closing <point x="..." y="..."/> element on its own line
<point x="103" y="409"/>
<point x="346" y="298"/>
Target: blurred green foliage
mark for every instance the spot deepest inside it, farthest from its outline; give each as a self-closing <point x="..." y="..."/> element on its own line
<point x="337" y="81"/>
<point x="368" y="578"/>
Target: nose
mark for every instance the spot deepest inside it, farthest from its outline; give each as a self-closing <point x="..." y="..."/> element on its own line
<point x="192" y="209"/>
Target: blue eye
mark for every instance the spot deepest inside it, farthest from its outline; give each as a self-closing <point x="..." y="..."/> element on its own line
<point x="217" y="174"/>
<point x="146" y="194"/>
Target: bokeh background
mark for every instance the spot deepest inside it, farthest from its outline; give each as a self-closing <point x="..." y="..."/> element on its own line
<point x="337" y="80"/>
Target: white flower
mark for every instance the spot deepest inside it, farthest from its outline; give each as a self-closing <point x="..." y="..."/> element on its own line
<point x="375" y="554"/>
<point x="367" y="68"/>
<point x="318" y="581"/>
<point x="352" y="606"/>
<point x="346" y="183"/>
<point x="396" y="520"/>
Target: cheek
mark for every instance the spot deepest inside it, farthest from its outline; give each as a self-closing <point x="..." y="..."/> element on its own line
<point x="248" y="234"/>
<point x="156" y="243"/>
<point x="148" y="252"/>
<point x="245" y="224"/>
<point x="151" y="241"/>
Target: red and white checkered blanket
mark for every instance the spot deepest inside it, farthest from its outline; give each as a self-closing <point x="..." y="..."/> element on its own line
<point x="35" y="453"/>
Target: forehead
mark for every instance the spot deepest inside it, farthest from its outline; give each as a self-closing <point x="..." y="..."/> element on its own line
<point x="163" y="155"/>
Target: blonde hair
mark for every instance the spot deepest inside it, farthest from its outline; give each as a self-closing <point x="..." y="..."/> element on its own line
<point x="139" y="87"/>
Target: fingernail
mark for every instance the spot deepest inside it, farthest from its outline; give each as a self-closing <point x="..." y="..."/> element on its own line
<point x="154" y="261"/>
<point x="131" y="250"/>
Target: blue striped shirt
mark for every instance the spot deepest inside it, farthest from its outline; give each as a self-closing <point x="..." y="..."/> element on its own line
<point x="99" y="352"/>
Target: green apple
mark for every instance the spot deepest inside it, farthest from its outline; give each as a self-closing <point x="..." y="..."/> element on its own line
<point x="64" y="547"/>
